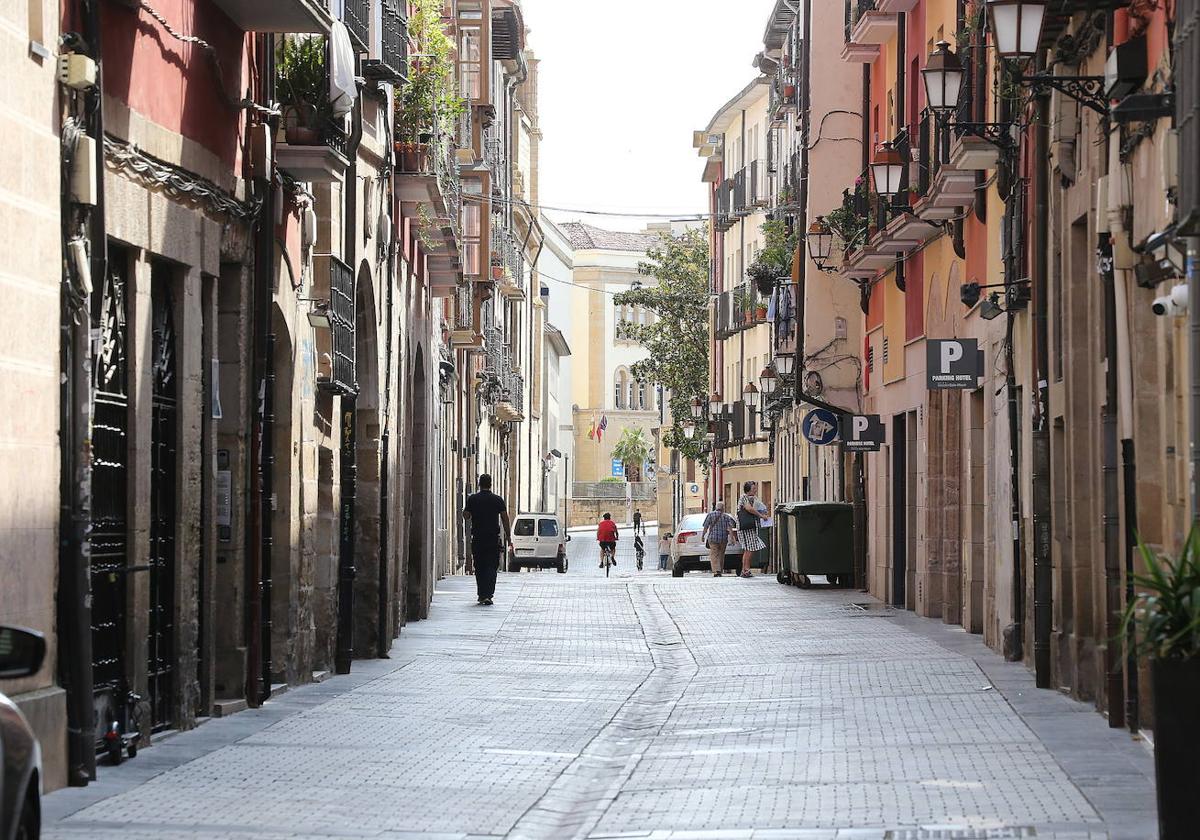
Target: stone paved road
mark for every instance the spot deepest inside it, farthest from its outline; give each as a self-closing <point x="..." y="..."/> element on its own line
<point x="642" y="707"/>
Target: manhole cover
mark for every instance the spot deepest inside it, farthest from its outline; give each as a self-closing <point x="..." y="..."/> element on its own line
<point x="960" y="833"/>
<point x="866" y="608"/>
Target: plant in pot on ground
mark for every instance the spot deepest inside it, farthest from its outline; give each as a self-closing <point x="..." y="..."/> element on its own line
<point x="303" y="87"/>
<point x="429" y="104"/>
<point x="1162" y="622"/>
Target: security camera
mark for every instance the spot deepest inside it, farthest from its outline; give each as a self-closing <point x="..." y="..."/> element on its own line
<point x="1175" y="304"/>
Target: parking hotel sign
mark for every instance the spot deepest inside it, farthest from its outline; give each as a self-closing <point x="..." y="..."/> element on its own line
<point x="953" y="363"/>
<point x="862" y="432"/>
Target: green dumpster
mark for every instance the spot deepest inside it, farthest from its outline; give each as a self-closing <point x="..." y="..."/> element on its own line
<point x="819" y="541"/>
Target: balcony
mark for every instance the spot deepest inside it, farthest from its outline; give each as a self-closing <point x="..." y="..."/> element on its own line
<point x="501" y="386"/>
<point x="297" y="16"/>
<point x="427" y="174"/>
<point x="392" y="63"/>
<point x="739" y="309"/>
<point x="466" y="331"/>
<point x="740" y="205"/>
<point x="316" y="155"/>
<point x="758" y="184"/>
<point x="864" y="26"/>
<point x="724" y="220"/>
<point x="356" y="14"/>
<point x="508" y="263"/>
<point x="895" y="6"/>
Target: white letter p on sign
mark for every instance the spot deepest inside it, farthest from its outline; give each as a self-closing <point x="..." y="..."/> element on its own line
<point x="952" y="351"/>
<point x="859" y="426"/>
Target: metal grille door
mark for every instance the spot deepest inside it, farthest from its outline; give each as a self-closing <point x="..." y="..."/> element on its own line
<point x="110" y="440"/>
<point x="163" y="483"/>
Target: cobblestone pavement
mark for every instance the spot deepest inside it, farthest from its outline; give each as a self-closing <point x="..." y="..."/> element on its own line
<point x="643" y="706"/>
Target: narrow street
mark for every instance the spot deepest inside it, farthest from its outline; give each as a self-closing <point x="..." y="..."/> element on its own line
<point x="642" y="707"/>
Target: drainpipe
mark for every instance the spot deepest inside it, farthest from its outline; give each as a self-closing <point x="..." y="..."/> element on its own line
<point x="1193" y="273"/>
<point x="349" y="464"/>
<point x="383" y="641"/>
<point x="1111" y="492"/>
<point x="1016" y="631"/>
<point x="805" y="94"/>
<point x="1043" y="569"/>
<point x="257" y="585"/>
<point x="75" y="485"/>
<point x="1124" y="392"/>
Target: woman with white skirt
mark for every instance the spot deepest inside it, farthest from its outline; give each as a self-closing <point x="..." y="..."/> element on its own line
<point x="750" y="513"/>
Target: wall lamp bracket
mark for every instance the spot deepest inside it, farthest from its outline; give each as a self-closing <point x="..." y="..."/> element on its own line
<point x="1086" y="90"/>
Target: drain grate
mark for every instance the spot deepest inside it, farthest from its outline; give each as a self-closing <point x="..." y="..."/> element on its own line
<point x="961" y="833"/>
<point x="861" y="608"/>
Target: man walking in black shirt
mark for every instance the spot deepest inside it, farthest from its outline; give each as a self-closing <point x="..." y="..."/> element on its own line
<point x="486" y="512"/>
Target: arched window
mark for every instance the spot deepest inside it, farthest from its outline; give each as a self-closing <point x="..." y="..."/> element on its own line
<point x="621" y="388"/>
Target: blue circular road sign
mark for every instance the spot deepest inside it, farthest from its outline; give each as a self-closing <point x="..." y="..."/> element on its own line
<point x="821" y="427"/>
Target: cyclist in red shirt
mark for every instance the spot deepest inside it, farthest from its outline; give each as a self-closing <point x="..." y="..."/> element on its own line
<point x="607" y="536"/>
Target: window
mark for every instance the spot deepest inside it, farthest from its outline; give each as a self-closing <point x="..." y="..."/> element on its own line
<point x="622" y="387"/>
<point x="470" y="66"/>
<point x="632" y="395"/>
<point x="547" y="528"/>
<point x="472" y="229"/>
<point x="523" y="528"/>
<point x="642" y="396"/>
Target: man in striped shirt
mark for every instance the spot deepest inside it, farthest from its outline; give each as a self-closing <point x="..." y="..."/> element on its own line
<point x="718" y="525"/>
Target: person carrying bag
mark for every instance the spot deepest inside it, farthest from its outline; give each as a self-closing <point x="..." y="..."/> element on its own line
<point x="749" y="517"/>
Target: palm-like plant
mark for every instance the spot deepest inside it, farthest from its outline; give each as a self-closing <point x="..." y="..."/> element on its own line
<point x="1166" y="613"/>
<point x="632" y="449"/>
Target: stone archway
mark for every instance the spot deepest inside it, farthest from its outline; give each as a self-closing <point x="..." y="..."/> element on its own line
<point x="416" y="603"/>
<point x="367" y="463"/>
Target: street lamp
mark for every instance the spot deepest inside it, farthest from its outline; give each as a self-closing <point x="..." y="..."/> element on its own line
<point x="820" y="242"/>
<point x="1017" y="25"/>
<point x="715" y="402"/>
<point x="887" y="167"/>
<point x="943" y="75"/>
<point x="689" y="430"/>
<point x="784" y="362"/>
<point x="698" y="408"/>
<point x="767" y="380"/>
<point x="750" y="395"/>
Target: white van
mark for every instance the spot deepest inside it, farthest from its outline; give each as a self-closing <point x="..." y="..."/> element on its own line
<point x="539" y="542"/>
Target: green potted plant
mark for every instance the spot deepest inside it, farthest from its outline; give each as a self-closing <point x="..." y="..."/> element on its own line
<point x="1162" y="623"/>
<point x="303" y="87"/>
<point x="428" y="105"/>
<point x="744" y="298"/>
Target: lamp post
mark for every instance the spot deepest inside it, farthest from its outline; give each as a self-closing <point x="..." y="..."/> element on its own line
<point x="698" y="408"/>
<point x="750" y="395"/>
<point x="784" y="363"/>
<point x="689" y="430"/>
<point x="820" y="243"/>
<point x="943" y="76"/>
<point x="767" y="381"/>
<point x="714" y="404"/>
<point x="887" y="169"/>
<point x="1017" y="26"/>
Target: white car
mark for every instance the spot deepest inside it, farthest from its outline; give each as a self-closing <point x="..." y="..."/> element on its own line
<point x="688" y="552"/>
<point x="539" y="542"/>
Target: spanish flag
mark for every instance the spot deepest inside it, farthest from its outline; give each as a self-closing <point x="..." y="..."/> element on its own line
<point x="592" y="431"/>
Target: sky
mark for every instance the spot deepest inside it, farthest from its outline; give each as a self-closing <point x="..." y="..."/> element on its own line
<point x="622" y="86"/>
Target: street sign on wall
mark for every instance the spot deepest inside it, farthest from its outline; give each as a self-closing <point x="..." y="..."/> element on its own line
<point x="820" y="427"/>
<point x="618" y="468"/>
<point x="953" y="363"/>
<point x="862" y="432"/>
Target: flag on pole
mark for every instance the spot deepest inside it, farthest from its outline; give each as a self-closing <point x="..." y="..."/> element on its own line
<point x="592" y="431"/>
<point x="603" y="425"/>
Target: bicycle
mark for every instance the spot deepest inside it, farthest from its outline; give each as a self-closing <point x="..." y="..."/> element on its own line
<point x="608" y="559"/>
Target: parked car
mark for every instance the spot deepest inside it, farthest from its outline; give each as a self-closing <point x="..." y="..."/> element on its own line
<point x="539" y="542"/>
<point x="688" y="553"/>
<point x="21" y="655"/>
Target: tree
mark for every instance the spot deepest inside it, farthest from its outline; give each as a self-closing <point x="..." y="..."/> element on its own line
<point x="632" y="450"/>
<point x="676" y="340"/>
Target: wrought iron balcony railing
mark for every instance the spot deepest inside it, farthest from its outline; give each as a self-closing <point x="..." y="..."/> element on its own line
<point x="356" y="14"/>
<point x="464" y="307"/>
<point x="392" y="64"/>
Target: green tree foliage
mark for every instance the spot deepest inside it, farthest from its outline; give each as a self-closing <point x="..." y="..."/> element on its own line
<point x="429" y="102"/>
<point x="776" y="257"/>
<point x="677" y="339"/>
<point x="632" y="449"/>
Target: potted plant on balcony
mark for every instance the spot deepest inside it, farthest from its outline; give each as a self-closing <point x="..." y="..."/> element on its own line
<point x="428" y="105"/>
<point x="302" y="83"/>
<point x="775" y="259"/>
<point x="848" y="221"/>
<point x="743" y="298"/>
<point x="1162" y="622"/>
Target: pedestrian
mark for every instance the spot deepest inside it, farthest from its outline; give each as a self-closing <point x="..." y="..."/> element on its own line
<point x="751" y="512"/>
<point x="664" y="550"/>
<point x="637" y="523"/>
<point x="717" y="527"/>
<point x="486" y="512"/>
